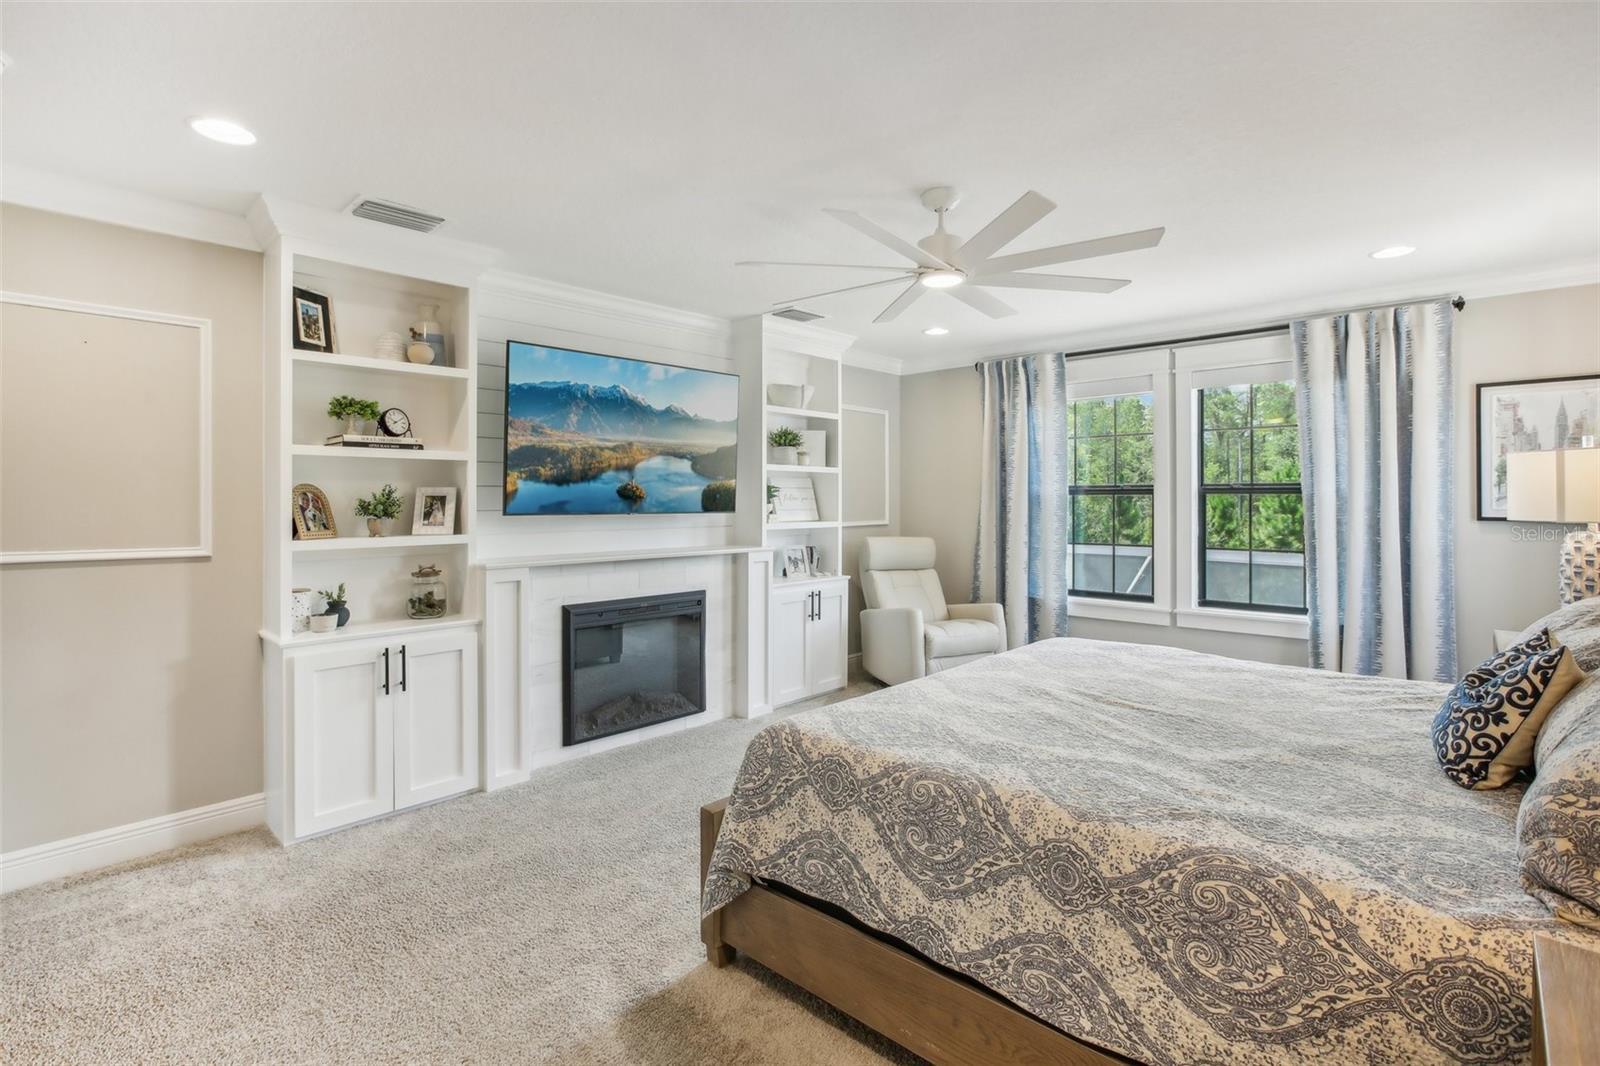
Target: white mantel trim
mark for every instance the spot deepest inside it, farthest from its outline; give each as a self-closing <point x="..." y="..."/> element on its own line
<point x="621" y="555"/>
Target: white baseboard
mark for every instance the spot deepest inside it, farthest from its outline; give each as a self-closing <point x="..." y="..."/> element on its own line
<point x="59" y="858"/>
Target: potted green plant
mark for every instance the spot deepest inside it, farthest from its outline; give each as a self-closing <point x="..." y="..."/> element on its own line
<point x="336" y="603"/>
<point x="379" y="509"/>
<point x="772" y="501"/>
<point x="783" y="446"/>
<point x="353" y="411"/>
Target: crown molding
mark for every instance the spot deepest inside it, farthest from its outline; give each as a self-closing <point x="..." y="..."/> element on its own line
<point x="525" y="291"/>
<point x="866" y="360"/>
<point x="804" y="338"/>
<point x="1473" y="286"/>
<point x="63" y="195"/>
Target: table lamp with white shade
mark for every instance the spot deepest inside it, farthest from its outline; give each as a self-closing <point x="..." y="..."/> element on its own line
<point x="1561" y="486"/>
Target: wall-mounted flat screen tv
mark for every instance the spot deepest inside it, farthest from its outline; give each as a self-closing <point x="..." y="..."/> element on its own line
<point x="600" y="434"/>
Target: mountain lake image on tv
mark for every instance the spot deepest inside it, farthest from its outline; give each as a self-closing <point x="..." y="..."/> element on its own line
<point x="599" y="434"/>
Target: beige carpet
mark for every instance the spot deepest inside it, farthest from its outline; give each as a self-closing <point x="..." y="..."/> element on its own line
<point x="553" y="923"/>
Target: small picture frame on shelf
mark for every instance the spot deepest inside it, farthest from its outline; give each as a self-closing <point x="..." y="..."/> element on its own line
<point x="796" y="500"/>
<point x="313" y="518"/>
<point x="794" y="562"/>
<point x="814" y="560"/>
<point x="435" y="513"/>
<point x="311" y="321"/>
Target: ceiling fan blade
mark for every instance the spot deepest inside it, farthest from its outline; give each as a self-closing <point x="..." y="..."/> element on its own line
<point x="1067" y="253"/>
<point x="982" y="301"/>
<point x="887" y="239"/>
<point x="1059" y="282"/>
<point x="903" y="301"/>
<point x="1007" y="226"/>
<point x="835" y="292"/>
<point x="833" y="266"/>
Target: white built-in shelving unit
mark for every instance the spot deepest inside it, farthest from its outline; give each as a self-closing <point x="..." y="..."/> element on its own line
<point x="440" y="400"/>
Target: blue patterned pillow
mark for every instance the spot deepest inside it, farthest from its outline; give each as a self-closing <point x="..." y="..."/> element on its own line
<point x="1485" y="730"/>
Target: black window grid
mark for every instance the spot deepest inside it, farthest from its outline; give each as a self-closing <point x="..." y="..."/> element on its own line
<point x="1077" y="492"/>
<point x="1249" y="490"/>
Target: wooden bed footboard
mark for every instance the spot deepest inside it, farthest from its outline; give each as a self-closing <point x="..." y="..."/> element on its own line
<point x="946" y="1019"/>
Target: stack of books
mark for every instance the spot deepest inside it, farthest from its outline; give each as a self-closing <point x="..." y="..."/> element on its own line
<point x="372" y="440"/>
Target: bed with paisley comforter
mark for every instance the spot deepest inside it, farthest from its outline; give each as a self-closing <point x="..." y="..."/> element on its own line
<point x="1180" y="858"/>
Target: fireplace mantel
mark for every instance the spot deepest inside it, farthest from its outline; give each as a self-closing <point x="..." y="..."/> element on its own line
<point x="621" y="556"/>
<point x="523" y="599"/>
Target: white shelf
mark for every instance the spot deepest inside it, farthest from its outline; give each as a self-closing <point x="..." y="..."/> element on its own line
<point x="384" y="366"/>
<point x="376" y="544"/>
<point x="801" y="525"/>
<point x="398" y="627"/>
<point x="338" y="451"/>
<point x="801" y="412"/>
<point x="775" y="468"/>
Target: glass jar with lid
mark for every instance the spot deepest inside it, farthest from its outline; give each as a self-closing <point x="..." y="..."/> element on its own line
<point x="428" y="597"/>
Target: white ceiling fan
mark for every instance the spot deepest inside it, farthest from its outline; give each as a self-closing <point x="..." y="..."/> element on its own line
<point x="965" y="268"/>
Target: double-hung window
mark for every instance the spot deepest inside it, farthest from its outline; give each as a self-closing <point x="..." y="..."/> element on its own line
<point x="1111" y="452"/>
<point x="1250" y="532"/>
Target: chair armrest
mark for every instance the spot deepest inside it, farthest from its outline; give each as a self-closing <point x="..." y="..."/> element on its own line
<point x="892" y="648"/>
<point x="983" y="612"/>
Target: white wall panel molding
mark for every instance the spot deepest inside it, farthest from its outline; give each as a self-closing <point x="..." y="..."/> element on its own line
<point x="201" y="548"/>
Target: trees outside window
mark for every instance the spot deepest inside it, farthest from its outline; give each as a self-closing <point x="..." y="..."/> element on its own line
<point x="1252" y="543"/>
<point x="1111" y="453"/>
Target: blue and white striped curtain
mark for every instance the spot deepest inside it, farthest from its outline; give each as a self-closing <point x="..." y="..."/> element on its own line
<point x="1374" y="391"/>
<point x="1023" y="511"/>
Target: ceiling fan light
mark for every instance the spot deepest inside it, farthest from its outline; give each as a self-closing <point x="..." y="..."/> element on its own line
<point x="942" y="279"/>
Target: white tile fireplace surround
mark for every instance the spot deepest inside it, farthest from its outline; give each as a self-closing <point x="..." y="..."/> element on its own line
<point x="522" y="664"/>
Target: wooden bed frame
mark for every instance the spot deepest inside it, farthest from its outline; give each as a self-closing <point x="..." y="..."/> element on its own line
<point x="947" y="1019"/>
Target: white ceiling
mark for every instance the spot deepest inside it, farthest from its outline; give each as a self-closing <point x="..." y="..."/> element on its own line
<point x="641" y="149"/>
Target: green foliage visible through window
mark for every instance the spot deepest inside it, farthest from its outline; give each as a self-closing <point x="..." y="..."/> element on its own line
<point x="1111" y="460"/>
<point x="1250" y="498"/>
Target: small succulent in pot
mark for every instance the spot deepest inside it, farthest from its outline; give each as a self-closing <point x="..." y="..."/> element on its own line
<point x="783" y="445"/>
<point x="353" y="411"/>
<point x="336" y="603"/>
<point x="379" y="509"/>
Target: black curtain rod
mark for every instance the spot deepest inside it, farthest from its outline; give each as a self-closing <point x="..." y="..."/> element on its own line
<point x="1458" y="302"/>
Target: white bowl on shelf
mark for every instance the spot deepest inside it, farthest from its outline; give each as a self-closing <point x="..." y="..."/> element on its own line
<point x="790" y="395"/>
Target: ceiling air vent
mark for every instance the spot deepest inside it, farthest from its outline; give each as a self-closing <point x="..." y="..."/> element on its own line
<point x="794" y="314"/>
<point x="396" y="215"/>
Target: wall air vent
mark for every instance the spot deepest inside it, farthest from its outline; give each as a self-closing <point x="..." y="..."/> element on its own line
<point x="794" y="314"/>
<point x="392" y="214"/>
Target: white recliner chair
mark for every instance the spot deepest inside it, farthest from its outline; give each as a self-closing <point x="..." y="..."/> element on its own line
<point x="907" y="630"/>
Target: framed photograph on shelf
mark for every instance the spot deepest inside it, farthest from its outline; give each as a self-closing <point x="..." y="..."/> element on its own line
<point x="435" y="513"/>
<point x="313" y="518"/>
<point x="814" y="561"/>
<point x="311" y="321"/>
<point x="1530" y="416"/>
<point x="795" y="562"/>
<point x="796" y="500"/>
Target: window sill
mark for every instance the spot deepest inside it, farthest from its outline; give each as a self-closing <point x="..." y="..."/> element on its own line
<point x="1118" y="611"/>
<point x="1255" y="623"/>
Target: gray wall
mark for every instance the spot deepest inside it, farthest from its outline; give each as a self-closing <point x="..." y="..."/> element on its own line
<point x="1505" y="572"/>
<point x="869" y="388"/>
<point x="130" y="690"/>
<point x="1505" y="578"/>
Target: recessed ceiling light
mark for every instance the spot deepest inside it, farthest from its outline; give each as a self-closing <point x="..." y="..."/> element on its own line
<point x="1394" y="252"/>
<point x="942" y="279"/>
<point x="220" y="129"/>
<point x="935" y="331"/>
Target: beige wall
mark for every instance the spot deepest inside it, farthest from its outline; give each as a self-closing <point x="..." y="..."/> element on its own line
<point x="1502" y="581"/>
<point x="869" y="388"/>
<point x="1505" y="577"/>
<point x="132" y="690"/>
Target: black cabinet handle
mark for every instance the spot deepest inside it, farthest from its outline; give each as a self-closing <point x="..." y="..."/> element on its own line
<point x="402" y="668"/>
<point x="385" y="671"/>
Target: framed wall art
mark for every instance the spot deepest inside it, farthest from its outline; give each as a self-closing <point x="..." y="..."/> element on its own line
<point x="1530" y="416"/>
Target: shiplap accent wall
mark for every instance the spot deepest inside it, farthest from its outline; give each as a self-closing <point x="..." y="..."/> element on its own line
<point x="517" y="308"/>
